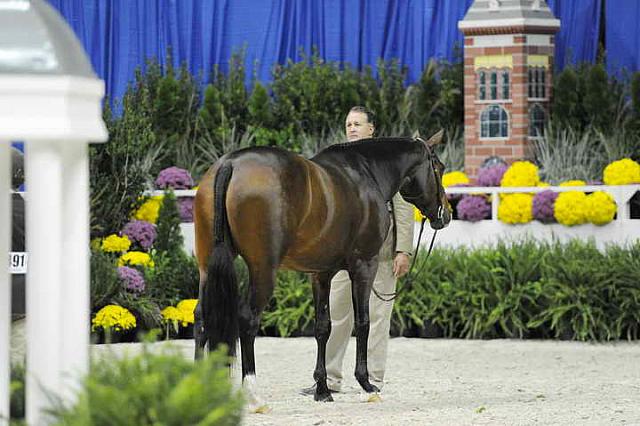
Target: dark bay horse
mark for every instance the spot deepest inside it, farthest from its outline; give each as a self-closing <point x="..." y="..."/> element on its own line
<point x="277" y="209"/>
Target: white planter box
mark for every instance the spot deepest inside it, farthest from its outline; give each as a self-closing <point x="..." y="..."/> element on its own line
<point x="487" y="232"/>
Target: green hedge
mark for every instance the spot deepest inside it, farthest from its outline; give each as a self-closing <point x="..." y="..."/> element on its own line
<point x="152" y="388"/>
<point x="524" y="290"/>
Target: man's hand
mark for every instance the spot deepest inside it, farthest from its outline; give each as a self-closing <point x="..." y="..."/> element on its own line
<point x="401" y="264"/>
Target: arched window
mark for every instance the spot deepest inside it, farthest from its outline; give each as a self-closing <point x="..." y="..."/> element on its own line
<point x="536" y="120"/>
<point x="494" y="122"/>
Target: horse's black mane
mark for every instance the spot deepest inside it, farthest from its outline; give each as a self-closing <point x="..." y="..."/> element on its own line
<point x="371" y="148"/>
<point x="375" y="159"/>
<point x="350" y="145"/>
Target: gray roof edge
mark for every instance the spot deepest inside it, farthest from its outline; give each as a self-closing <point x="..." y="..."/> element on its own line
<point x="71" y="55"/>
<point x="481" y="11"/>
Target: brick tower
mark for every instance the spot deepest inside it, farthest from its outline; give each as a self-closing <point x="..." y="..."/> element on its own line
<point x="508" y="68"/>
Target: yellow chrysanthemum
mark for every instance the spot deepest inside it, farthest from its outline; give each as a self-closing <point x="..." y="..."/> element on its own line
<point x="543" y="184"/>
<point x="187" y="307"/>
<point x="601" y="208"/>
<point x="136" y="258"/>
<point x="454" y="178"/>
<point x="115" y="244"/>
<point x="521" y="173"/>
<point x="95" y="243"/>
<point x="575" y="182"/>
<point x="417" y="215"/>
<point x="622" y="172"/>
<point x="171" y="314"/>
<point x="516" y="208"/>
<point x="149" y="210"/>
<point x="113" y="317"/>
<point x="570" y="208"/>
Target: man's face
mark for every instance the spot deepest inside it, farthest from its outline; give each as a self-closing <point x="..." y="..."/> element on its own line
<point x="358" y="127"/>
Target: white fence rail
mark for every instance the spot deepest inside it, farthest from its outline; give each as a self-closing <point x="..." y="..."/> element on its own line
<point x="622" y="194"/>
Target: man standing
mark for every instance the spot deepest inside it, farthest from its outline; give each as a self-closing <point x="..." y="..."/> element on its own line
<point x="394" y="263"/>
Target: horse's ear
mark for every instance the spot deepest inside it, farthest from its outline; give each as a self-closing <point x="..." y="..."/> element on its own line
<point x="435" y="139"/>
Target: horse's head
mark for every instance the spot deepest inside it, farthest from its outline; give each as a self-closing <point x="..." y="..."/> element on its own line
<point x="423" y="188"/>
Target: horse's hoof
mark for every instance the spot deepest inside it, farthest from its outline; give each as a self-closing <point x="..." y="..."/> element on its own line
<point x="370" y="397"/>
<point x="369" y="388"/>
<point x="260" y="409"/>
<point x="323" y="397"/>
<point x="374" y="397"/>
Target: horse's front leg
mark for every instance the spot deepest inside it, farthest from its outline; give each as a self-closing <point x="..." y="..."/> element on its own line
<point x="321" y="287"/>
<point x="362" y="274"/>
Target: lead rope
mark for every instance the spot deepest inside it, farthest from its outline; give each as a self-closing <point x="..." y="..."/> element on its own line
<point x="409" y="278"/>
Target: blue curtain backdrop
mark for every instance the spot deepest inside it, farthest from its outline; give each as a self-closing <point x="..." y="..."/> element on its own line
<point x="577" y="40"/>
<point x="622" y="36"/>
<point x="120" y="35"/>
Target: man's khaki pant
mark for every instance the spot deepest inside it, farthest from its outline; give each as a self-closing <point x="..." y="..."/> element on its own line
<point x="342" y="319"/>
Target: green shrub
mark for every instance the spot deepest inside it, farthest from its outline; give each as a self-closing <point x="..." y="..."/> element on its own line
<point x="118" y="170"/>
<point x="259" y="106"/>
<point x="291" y="311"/>
<point x="313" y="95"/>
<point x="105" y="284"/>
<point x="635" y="96"/>
<point x="524" y="289"/>
<point x="155" y="389"/>
<point x="169" y="237"/>
<point x="174" y="278"/>
<point x="17" y="394"/>
<point x="585" y="98"/>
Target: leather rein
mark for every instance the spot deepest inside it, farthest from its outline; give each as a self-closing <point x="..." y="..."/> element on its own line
<point x="412" y="274"/>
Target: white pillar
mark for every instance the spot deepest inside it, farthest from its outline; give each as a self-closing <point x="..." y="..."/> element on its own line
<point x="44" y="280"/>
<point x="5" y="280"/>
<point x="75" y="269"/>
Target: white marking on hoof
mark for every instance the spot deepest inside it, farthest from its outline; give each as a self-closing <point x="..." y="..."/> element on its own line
<point x="370" y="397"/>
<point x="255" y="404"/>
<point x="262" y="409"/>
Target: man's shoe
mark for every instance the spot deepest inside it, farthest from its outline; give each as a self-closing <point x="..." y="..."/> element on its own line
<point x="311" y="390"/>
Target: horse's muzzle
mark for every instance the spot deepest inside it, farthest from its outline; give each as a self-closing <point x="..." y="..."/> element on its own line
<point x="442" y="219"/>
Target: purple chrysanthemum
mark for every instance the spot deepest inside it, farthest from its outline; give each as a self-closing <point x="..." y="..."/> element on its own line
<point x="491" y="176"/>
<point x="543" y="206"/>
<point x="141" y="233"/>
<point x="185" y="207"/>
<point x="131" y="278"/>
<point x="175" y="178"/>
<point x="473" y="208"/>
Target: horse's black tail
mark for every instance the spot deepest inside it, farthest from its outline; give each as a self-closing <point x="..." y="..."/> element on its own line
<point x="220" y="292"/>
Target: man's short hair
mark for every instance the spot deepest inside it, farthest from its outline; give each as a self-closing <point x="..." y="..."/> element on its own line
<point x="371" y="118"/>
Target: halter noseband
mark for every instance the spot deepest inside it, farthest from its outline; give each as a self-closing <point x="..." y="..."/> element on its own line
<point x="432" y="157"/>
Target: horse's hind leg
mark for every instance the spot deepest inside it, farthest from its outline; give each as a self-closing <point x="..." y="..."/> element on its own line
<point x="259" y="291"/>
<point x="198" y="324"/>
<point x="321" y="286"/>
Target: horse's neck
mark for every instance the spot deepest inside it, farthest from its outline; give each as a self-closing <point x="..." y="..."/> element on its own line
<point x="385" y="168"/>
<point x="388" y="173"/>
